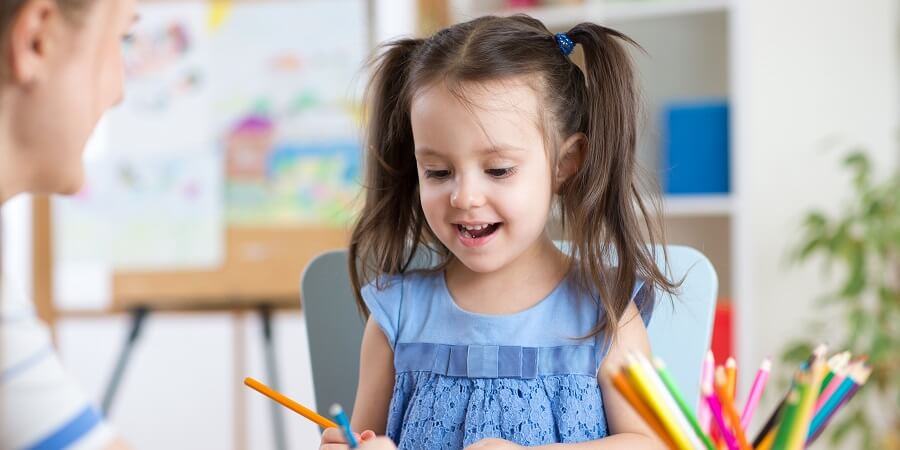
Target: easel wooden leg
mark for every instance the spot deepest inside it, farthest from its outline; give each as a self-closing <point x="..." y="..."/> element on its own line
<point x="265" y="312"/>
<point x="138" y="315"/>
<point x="239" y="343"/>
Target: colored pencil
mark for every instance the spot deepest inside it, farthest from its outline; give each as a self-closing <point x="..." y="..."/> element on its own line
<point x="645" y="389"/>
<point x="835" y="382"/>
<point x="808" y="394"/>
<point x="837" y="378"/>
<point x="817" y="430"/>
<point x="858" y="375"/>
<point x="290" y="404"/>
<point x="790" y="413"/>
<point x="767" y="441"/>
<point x="338" y="413"/>
<point x="759" y="384"/>
<point x="715" y="409"/>
<point x="771" y="424"/>
<point x="730" y="413"/>
<point x="621" y="384"/>
<point x="731" y="372"/>
<point x="774" y="419"/>
<point x="706" y="380"/>
<point x="668" y="400"/>
<point x="682" y="404"/>
<point x="835" y="364"/>
<point x="716" y="436"/>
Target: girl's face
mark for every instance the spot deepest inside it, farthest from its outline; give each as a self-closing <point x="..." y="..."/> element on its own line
<point x="75" y="77"/>
<point x="484" y="173"/>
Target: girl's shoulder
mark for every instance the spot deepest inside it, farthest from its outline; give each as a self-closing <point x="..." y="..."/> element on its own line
<point x="642" y="293"/>
<point x="388" y="297"/>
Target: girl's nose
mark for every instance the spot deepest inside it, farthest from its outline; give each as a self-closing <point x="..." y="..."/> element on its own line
<point x="466" y="196"/>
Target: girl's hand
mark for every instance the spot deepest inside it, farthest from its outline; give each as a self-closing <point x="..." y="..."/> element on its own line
<point x="333" y="439"/>
<point x="381" y="443"/>
<point x="494" y="444"/>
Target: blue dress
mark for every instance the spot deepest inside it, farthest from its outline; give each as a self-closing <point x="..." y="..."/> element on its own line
<point x="462" y="376"/>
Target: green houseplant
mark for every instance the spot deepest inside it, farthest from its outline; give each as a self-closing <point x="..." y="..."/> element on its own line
<point x="861" y="246"/>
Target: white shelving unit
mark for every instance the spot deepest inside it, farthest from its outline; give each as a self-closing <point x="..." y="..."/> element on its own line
<point x="565" y="15"/>
<point x="686" y="206"/>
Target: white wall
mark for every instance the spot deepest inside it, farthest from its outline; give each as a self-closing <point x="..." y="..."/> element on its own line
<point x="807" y="72"/>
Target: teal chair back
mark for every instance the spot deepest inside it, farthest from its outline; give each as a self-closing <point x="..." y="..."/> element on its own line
<point x="680" y="329"/>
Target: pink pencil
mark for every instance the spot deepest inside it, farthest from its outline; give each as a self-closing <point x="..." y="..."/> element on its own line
<point x="715" y="409"/>
<point x="706" y="382"/>
<point x="762" y="376"/>
<point x="826" y="394"/>
<point x="840" y="372"/>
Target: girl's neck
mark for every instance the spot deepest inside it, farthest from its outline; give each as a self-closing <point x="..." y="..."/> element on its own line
<point x="515" y="287"/>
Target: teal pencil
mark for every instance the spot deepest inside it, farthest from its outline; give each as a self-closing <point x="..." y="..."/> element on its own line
<point x="670" y="385"/>
<point x="857" y="377"/>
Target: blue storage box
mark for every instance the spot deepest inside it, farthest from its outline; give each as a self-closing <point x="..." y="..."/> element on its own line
<point x="695" y="148"/>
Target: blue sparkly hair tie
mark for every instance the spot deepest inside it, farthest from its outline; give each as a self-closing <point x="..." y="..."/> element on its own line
<point x="566" y="45"/>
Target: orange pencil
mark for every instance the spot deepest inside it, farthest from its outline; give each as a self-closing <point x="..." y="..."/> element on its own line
<point x="290" y="404"/>
<point x="621" y="384"/>
<point x="731" y="373"/>
<point x="728" y="410"/>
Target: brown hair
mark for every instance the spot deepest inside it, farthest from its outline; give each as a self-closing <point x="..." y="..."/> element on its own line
<point x="601" y="210"/>
<point x="9" y="8"/>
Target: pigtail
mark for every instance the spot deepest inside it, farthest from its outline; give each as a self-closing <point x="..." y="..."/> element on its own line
<point x="601" y="204"/>
<point x="387" y="230"/>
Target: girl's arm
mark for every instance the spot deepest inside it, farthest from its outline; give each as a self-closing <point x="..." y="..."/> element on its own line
<point x="376" y="381"/>
<point x="626" y="428"/>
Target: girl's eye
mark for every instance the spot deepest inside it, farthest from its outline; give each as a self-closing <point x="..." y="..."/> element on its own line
<point x="128" y="38"/>
<point x="437" y="174"/>
<point x="501" y="173"/>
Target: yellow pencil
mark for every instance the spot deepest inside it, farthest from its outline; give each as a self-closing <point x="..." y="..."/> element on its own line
<point x="652" y="398"/>
<point x="290" y="404"/>
<point x="621" y="384"/>
<point x="809" y="394"/>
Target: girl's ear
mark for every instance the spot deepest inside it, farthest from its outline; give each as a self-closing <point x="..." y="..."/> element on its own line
<point x="571" y="155"/>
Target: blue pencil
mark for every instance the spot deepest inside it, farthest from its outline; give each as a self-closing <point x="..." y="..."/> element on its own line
<point x="338" y="413"/>
<point x="857" y="377"/>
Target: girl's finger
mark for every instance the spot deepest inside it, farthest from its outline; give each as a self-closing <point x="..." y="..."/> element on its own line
<point x="333" y="436"/>
<point x="334" y="447"/>
<point x="367" y="435"/>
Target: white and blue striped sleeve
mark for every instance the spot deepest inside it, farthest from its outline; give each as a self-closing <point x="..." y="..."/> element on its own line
<point x="41" y="407"/>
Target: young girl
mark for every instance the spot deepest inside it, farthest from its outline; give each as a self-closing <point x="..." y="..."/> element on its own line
<point x="475" y="135"/>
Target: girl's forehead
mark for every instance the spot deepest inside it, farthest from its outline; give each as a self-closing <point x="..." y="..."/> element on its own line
<point x="478" y="116"/>
<point x="505" y="100"/>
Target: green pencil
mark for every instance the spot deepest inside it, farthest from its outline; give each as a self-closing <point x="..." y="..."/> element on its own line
<point x="692" y="419"/>
<point x="835" y="363"/>
<point x="790" y="414"/>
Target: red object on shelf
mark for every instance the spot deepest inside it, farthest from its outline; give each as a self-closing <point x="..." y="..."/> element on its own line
<point x="722" y="347"/>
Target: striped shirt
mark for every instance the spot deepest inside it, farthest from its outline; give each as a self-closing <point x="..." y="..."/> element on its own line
<point x="41" y="407"/>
